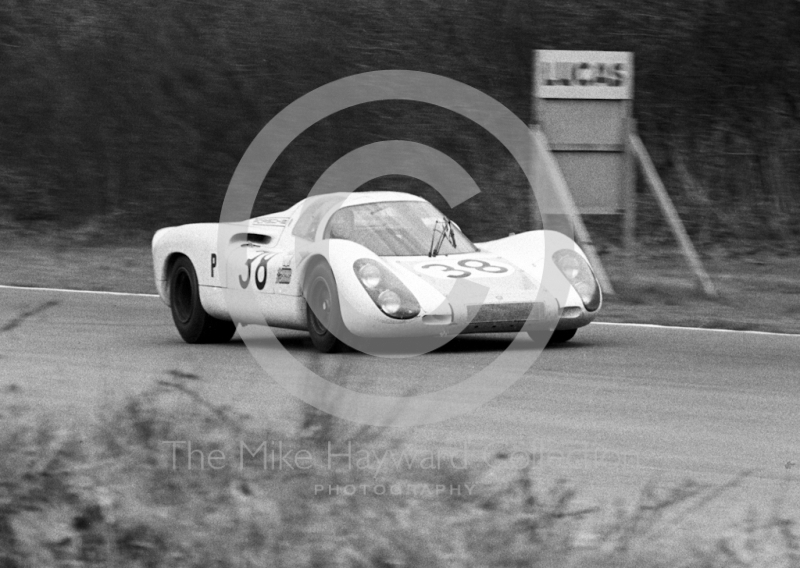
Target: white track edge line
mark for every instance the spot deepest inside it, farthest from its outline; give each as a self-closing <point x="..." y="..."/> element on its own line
<point x="650" y="325"/>
<point x="661" y="326"/>
<point x="105" y="292"/>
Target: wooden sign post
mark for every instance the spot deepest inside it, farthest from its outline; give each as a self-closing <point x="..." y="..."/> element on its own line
<point x="583" y="114"/>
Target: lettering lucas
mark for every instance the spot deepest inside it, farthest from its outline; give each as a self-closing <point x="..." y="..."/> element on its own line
<point x="584" y="74"/>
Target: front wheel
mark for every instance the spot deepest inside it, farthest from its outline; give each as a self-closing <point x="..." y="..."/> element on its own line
<point x="558" y="336"/>
<point x="322" y="309"/>
<point x="194" y="324"/>
<point x="562" y="335"/>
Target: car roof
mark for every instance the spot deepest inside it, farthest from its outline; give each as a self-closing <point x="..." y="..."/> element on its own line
<point x="348" y="199"/>
<point x="361" y="197"/>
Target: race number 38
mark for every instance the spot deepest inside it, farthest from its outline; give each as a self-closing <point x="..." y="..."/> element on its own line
<point x="465" y="268"/>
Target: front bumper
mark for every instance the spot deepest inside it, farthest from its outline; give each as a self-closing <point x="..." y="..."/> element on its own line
<point x="496" y="317"/>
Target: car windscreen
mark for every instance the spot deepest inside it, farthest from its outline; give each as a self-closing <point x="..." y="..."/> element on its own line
<point x="396" y="228"/>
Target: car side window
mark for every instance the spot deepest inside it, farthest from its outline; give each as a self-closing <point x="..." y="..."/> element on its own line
<point x="342" y="224"/>
<point x="309" y="219"/>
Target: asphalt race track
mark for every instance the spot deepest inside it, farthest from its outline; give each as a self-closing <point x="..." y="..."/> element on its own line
<point x="618" y="406"/>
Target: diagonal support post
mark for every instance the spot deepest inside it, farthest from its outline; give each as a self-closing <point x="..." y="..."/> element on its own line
<point x="671" y="214"/>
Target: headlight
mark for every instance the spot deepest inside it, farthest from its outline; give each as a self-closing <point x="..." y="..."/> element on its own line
<point x="370" y="276"/>
<point x="389" y="302"/>
<point x="386" y="290"/>
<point x="580" y="275"/>
<point x="570" y="266"/>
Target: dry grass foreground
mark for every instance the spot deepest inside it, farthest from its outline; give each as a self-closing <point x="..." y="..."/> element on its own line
<point x="123" y="492"/>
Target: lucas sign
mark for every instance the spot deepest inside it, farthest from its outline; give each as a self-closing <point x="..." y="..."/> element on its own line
<point x="583" y="74"/>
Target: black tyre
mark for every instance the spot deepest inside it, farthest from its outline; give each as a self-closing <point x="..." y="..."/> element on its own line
<point x="562" y="335"/>
<point x="192" y="321"/>
<point x="322" y="309"/>
<point x="557" y="336"/>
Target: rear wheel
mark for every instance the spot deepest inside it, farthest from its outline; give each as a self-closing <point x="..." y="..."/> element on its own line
<point x="322" y="309"/>
<point x="194" y="324"/>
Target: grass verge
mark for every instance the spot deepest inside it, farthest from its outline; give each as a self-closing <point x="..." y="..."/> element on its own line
<point x="757" y="291"/>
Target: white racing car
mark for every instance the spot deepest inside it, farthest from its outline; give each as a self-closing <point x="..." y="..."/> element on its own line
<point x="351" y="266"/>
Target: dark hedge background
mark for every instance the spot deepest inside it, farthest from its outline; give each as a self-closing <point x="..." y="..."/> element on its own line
<point x="133" y="114"/>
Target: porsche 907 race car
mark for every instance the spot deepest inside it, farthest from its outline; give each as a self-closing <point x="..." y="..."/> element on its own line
<point x="345" y="266"/>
